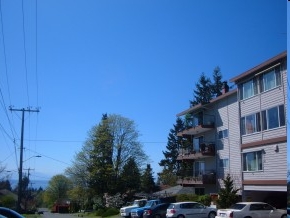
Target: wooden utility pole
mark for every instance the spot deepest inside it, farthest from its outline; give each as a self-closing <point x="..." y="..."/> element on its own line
<point x="21" y="155"/>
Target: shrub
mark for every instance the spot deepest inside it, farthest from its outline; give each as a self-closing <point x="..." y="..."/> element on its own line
<point x="110" y="212"/>
<point x="100" y="212"/>
<point x="204" y="199"/>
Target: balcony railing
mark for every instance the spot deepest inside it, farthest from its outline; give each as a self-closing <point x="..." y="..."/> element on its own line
<point x="204" y="120"/>
<point x="208" y="177"/>
<point x="204" y="150"/>
<point x="199" y="125"/>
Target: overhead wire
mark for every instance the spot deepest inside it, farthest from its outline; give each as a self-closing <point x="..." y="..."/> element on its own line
<point x="6" y="71"/>
<point x="11" y="126"/>
<point x="25" y="52"/>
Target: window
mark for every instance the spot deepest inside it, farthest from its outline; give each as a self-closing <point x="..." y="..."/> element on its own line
<point x="273" y="117"/>
<point x="253" y="161"/>
<point x="197" y="142"/>
<point x="199" y="168"/>
<point x="250" y="124"/>
<point x="248" y="89"/>
<point x="224" y="163"/>
<point x="223" y="134"/>
<point x="270" y="79"/>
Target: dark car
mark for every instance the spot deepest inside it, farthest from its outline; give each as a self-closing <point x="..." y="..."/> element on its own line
<point x="6" y="212"/>
<point x="158" y="211"/>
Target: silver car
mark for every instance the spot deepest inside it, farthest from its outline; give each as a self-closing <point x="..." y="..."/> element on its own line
<point x="251" y="209"/>
<point x="190" y="210"/>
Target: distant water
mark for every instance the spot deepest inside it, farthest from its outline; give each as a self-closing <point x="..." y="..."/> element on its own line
<point x="33" y="183"/>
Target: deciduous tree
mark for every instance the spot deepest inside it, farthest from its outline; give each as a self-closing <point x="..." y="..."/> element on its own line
<point x="57" y="189"/>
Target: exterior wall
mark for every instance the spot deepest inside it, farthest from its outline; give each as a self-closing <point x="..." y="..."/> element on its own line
<point x="274" y="163"/>
<point x="227" y="117"/>
<point x="271" y="180"/>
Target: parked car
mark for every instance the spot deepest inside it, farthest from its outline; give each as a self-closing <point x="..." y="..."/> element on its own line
<point x="158" y="211"/>
<point x="251" y="209"/>
<point x="138" y="212"/>
<point x="6" y="212"/>
<point x="126" y="211"/>
<point x="190" y="210"/>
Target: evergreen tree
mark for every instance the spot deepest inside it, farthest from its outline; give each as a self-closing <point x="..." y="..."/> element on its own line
<point x="173" y="144"/>
<point x="228" y="194"/>
<point x="169" y="163"/>
<point x="217" y="82"/>
<point x="101" y="166"/>
<point x="130" y="178"/>
<point x="147" y="180"/>
<point x="203" y="92"/>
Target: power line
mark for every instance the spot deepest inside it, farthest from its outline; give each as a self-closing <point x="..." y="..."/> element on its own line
<point x="42" y="155"/>
<point x="36" y="49"/>
<point x="4" y="51"/>
<point x="24" y="45"/>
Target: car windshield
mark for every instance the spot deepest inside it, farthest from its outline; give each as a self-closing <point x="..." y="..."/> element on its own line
<point x="150" y="204"/>
<point x="136" y="203"/>
<point x="237" y="206"/>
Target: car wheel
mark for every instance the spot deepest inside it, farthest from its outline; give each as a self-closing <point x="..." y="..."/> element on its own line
<point x="284" y="216"/>
<point x="211" y="215"/>
<point x="180" y="216"/>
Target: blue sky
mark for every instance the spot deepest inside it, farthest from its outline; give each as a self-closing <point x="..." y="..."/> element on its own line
<point x="139" y="59"/>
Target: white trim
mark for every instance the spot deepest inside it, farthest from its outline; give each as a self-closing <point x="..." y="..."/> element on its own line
<point x="267" y="69"/>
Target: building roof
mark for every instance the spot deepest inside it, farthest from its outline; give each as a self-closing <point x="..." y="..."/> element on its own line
<point x="260" y="67"/>
<point x="200" y="106"/>
<point x="174" y="191"/>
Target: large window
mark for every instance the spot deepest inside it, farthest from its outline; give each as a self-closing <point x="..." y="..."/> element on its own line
<point x="250" y="124"/>
<point x="248" y="89"/>
<point x="270" y="79"/>
<point x="253" y="161"/>
<point x="273" y="117"/>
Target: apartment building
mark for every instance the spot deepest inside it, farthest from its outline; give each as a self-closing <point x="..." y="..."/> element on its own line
<point x="241" y="133"/>
<point x="208" y="155"/>
<point x="262" y="99"/>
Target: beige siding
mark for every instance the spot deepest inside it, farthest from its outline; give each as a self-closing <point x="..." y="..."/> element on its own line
<point x="227" y="117"/>
<point x="275" y="166"/>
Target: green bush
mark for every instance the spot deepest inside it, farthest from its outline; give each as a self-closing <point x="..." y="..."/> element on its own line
<point x="110" y="212"/>
<point x="186" y="197"/>
<point x="204" y="199"/>
<point x="100" y="212"/>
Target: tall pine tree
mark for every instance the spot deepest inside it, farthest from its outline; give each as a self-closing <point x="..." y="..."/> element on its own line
<point x="203" y="92"/>
<point x="147" y="180"/>
<point x="169" y="163"/>
<point x="217" y="83"/>
<point x="130" y="178"/>
<point x="101" y="164"/>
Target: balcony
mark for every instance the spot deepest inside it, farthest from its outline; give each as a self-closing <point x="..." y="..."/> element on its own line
<point x="200" y="124"/>
<point x="208" y="177"/>
<point x="203" y="151"/>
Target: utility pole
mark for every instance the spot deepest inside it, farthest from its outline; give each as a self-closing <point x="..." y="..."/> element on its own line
<point x="21" y="155"/>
